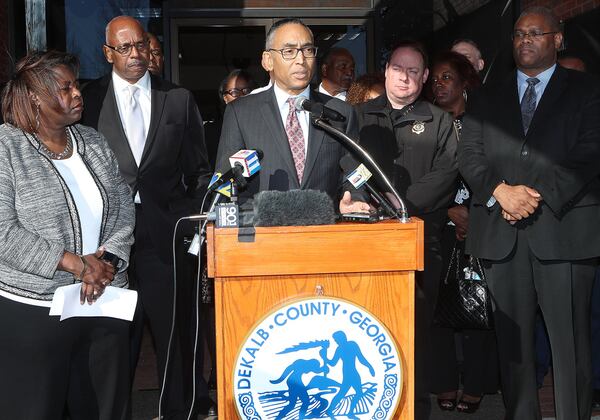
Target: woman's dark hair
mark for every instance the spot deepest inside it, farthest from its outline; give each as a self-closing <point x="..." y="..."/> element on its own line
<point x="460" y="64"/>
<point x="236" y="73"/>
<point x="35" y="74"/>
<point x="357" y="93"/>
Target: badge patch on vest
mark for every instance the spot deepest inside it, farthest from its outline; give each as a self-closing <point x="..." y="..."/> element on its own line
<point x="418" y="127"/>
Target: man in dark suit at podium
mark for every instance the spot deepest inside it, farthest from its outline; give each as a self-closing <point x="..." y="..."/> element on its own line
<point x="297" y="155"/>
<point x="156" y="132"/>
<point x="530" y="149"/>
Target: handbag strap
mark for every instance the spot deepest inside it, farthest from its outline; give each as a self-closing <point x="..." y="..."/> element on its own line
<point x="455" y="252"/>
<point x="475" y="262"/>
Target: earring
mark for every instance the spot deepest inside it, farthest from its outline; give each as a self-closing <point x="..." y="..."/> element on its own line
<point x="465" y="95"/>
<point x="37" y="118"/>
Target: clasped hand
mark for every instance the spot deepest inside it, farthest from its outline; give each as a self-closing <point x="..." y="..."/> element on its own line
<point x="97" y="274"/>
<point x="517" y="201"/>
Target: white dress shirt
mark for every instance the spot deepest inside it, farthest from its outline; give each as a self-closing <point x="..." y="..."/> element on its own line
<point x="121" y="88"/>
<point x="341" y="95"/>
<point x="284" y="109"/>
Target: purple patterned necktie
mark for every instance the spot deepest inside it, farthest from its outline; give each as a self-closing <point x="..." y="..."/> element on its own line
<point x="296" y="138"/>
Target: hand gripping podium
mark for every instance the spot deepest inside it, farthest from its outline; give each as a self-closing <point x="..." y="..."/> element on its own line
<point x="371" y="265"/>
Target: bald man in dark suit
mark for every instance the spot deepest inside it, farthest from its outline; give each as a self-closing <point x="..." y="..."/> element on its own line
<point x="162" y="155"/>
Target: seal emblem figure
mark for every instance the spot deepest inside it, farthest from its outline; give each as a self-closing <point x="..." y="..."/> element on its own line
<point x="318" y="358"/>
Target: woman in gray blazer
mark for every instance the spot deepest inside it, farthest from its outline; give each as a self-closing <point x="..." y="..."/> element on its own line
<point x="64" y="209"/>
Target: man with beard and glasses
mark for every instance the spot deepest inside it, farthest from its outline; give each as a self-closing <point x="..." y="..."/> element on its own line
<point x="156" y="133"/>
<point x="529" y="150"/>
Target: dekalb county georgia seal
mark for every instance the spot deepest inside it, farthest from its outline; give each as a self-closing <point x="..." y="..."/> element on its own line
<point x="318" y="358"/>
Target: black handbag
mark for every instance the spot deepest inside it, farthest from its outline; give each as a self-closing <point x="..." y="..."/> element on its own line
<point x="464" y="301"/>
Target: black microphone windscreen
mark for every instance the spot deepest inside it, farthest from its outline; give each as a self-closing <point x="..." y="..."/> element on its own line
<point x="293" y="208"/>
<point x="348" y="164"/>
<point x="300" y="103"/>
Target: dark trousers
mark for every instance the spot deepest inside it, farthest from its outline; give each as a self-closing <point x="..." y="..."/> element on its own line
<point x="542" y="344"/>
<point x="426" y="291"/>
<point x="596" y="330"/>
<point x="48" y="369"/>
<point x="478" y="368"/>
<point x="563" y="291"/>
<point x="543" y="355"/>
<point x="154" y="281"/>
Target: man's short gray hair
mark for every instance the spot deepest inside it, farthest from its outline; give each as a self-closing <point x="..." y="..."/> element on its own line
<point x="279" y="24"/>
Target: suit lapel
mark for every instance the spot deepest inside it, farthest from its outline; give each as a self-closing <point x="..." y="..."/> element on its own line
<point x="509" y="107"/>
<point x="110" y="124"/>
<point x="315" y="140"/>
<point x="272" y="118"/>
<point x="556" y="86"/>
<point x="157" y="104"/>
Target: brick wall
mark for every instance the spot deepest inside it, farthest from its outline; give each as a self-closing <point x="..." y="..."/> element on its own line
<point x="564" y="9"/>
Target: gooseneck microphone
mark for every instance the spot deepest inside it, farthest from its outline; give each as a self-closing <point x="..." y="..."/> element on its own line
<point x="318" y="110"/>
<point x="357" y="150"/>
<point x="358" y="175"/>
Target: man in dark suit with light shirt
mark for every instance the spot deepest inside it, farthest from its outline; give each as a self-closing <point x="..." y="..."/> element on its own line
<point x="297" y="155"/>
<point x="156" y="132"/>
<point x="530" y="149"/>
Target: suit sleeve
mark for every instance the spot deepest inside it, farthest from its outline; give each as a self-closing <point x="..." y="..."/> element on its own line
<point x="434" y="189"/>
<point x="563" y="185"/>
<point x="194" y="157"/>
<point x="231" y="138"/>
<point x="473" y="163"/>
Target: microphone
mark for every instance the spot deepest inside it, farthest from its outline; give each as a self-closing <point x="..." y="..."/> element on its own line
<point x="244" y="164"/>
<point x="318" y="109"/>
<point x="293" y="208"/>
<point x="359" y="177"/>
<point x="275" y="208"/>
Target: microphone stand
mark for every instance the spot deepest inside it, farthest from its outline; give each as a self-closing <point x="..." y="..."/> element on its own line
<point x="354" y="146"/>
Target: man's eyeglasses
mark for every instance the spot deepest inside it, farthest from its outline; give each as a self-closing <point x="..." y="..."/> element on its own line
<point x="236" y="93"/>
<point x="537" y="34"/>
<point x="156" y="53"/>
<point x="291" y="53"/>
<point x="125" y="49"/>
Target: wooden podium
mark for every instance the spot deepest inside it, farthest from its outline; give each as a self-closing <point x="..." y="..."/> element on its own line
<point x="371" y="265"/>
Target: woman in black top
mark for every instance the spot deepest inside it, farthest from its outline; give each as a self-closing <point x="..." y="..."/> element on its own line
<point x="452" y="77"/>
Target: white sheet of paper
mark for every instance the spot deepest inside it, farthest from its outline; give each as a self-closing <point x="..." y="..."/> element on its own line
<point x="115" y="302"/>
